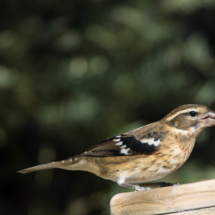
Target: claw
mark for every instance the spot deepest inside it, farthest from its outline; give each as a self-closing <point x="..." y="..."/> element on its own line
<point x="138" y="188"/>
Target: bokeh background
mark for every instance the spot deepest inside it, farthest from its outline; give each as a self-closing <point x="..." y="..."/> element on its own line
<point x="73" y="73"/>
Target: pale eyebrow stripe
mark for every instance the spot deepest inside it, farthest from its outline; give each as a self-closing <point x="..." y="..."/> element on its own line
<point x="178" y="113"/>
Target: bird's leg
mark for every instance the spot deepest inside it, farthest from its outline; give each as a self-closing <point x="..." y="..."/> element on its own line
<point x="157" y="184"/>
<point x="121" y="182"/>
<point x="135" y="187"/>
<point x="164" y="184"/>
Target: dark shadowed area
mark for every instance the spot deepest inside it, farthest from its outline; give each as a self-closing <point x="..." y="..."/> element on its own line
<point x="73" y="73"/>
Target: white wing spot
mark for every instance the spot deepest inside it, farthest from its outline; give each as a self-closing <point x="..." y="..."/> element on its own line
<point x="123" y="147"/>
<point x="76" y="159"/>
<point x="151" y="141"/>
<point x="119" y="143"/>
<point x="118" y="136"/>
<point x="62" y="161"/>
<point x="124" y="151"/>
<point x="116" y="140"/>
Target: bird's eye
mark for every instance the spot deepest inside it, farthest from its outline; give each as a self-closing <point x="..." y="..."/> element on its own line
<point x="193" y="113"/>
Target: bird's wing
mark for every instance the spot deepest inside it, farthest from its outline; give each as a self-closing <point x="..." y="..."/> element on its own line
<point x="140" y="141"/>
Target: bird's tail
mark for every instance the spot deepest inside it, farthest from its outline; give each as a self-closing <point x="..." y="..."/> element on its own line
<point x="39" y="167"/>
<point x="73" y="163"/>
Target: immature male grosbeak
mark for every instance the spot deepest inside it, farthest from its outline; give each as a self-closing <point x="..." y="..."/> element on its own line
<point x="144" y="154"/>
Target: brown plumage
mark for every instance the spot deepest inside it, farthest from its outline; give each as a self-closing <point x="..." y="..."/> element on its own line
<point x="144" y="154"/>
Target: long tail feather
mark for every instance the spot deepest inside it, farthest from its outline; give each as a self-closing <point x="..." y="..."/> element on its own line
<point x="39" y="167"/>
<point x="73" y="163"/>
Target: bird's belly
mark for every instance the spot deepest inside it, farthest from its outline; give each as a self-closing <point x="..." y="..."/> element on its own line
<point x="139" y="176"/>
<point x="136" y="175"/>
<point x="137" y="169"/>
<point x="142" y="168"/>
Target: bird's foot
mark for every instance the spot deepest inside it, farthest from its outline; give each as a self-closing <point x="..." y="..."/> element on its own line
<point x="176" y="184"/>
<point x="157" y="184"/>
<point x="164" y="184"/>
<point x="138" y="188"/>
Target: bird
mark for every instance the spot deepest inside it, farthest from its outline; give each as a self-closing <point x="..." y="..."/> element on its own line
<point x="144" y="154"/>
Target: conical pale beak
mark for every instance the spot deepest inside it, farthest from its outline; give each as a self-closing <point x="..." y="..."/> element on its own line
<point x="208" y="119"/>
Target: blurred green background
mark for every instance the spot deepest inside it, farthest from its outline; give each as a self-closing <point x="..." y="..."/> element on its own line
<point x="73" y="73"/>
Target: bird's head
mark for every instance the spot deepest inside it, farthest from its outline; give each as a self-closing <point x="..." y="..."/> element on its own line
<point x="191" y="118"/>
